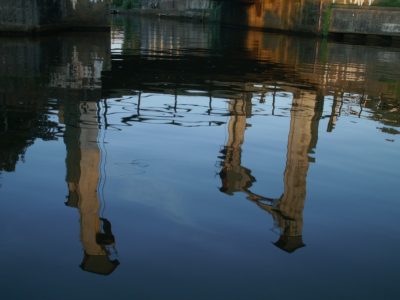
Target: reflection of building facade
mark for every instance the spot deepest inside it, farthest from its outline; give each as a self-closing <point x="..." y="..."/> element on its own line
<point x="83" y="176"/>
<point x="287" y="211"/>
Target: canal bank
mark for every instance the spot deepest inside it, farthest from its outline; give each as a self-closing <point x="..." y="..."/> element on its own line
<point x="313" y="17"/>
<point x="364" y="20"/>
<point x="316" y="17"/>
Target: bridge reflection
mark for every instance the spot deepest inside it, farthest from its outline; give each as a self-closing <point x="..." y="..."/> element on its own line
<point x="62" y="80"/>
<point x="83" y="164"/>
<point x="287" y="210"/>
<point x="242" y="68"/>
<point x="84" y="158"/>
<point x="66" y="77"/>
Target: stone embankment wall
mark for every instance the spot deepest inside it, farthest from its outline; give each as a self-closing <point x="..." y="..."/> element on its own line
<point x="39" y="15"/>
<point x="319" y="17"/>
<point x="314" y="16"/>
<point x="178" y="4"/>
<point x="195" y="9"/>
<point x="377" y="21"/>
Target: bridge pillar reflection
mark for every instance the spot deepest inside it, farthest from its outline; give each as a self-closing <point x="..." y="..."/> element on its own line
<point x="234" y="176"/>
<point x="287" y="211"/>
<point x="83" y="177"/>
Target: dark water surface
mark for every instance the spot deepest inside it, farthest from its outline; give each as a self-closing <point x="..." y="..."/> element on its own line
<point x="188" y="161"/>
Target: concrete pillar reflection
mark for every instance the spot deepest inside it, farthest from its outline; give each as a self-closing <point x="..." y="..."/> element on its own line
<point x="287" y="211"/>
<point x="235" y="177"/>
<point x="83" y="175"/>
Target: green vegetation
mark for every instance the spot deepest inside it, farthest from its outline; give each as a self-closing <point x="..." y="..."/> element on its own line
<point x="387" y="3"/>
<point x="326" y="20"/>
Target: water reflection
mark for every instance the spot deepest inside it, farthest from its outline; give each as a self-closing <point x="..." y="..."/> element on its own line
<point x="62" y="80"/>
<point x="220" y="64"/>
<point x="224" y="93"/>
<point x="309" y="70"/>
<point x="83" y="164"/>
<point x="34" y="76"/>
<point x="18" y="130"/>
<point x="287" y="210"/>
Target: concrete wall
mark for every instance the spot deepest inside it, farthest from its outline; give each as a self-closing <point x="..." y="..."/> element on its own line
<point x="308" y="16"/>
<point x="365" y="21"/>
<point x="195" y="9"/>
<point x="37" y="15"/>
<point x="299" y="15"/>
<point x="87" y="13"/>
<point x="178" y="4"/>
<point x="314" y="16"/>
<point x="18" y="15"/>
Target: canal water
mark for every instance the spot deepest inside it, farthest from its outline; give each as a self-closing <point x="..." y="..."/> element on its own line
<point x="172" y="160"/>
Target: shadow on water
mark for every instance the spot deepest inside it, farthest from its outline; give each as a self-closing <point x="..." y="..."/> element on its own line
<point x="72" y="83"/>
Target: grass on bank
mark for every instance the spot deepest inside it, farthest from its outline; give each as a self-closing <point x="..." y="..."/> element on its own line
<point x="387" y="3"/>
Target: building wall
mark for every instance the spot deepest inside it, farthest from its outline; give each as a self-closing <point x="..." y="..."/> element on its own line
<point x="18" y="15"/>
